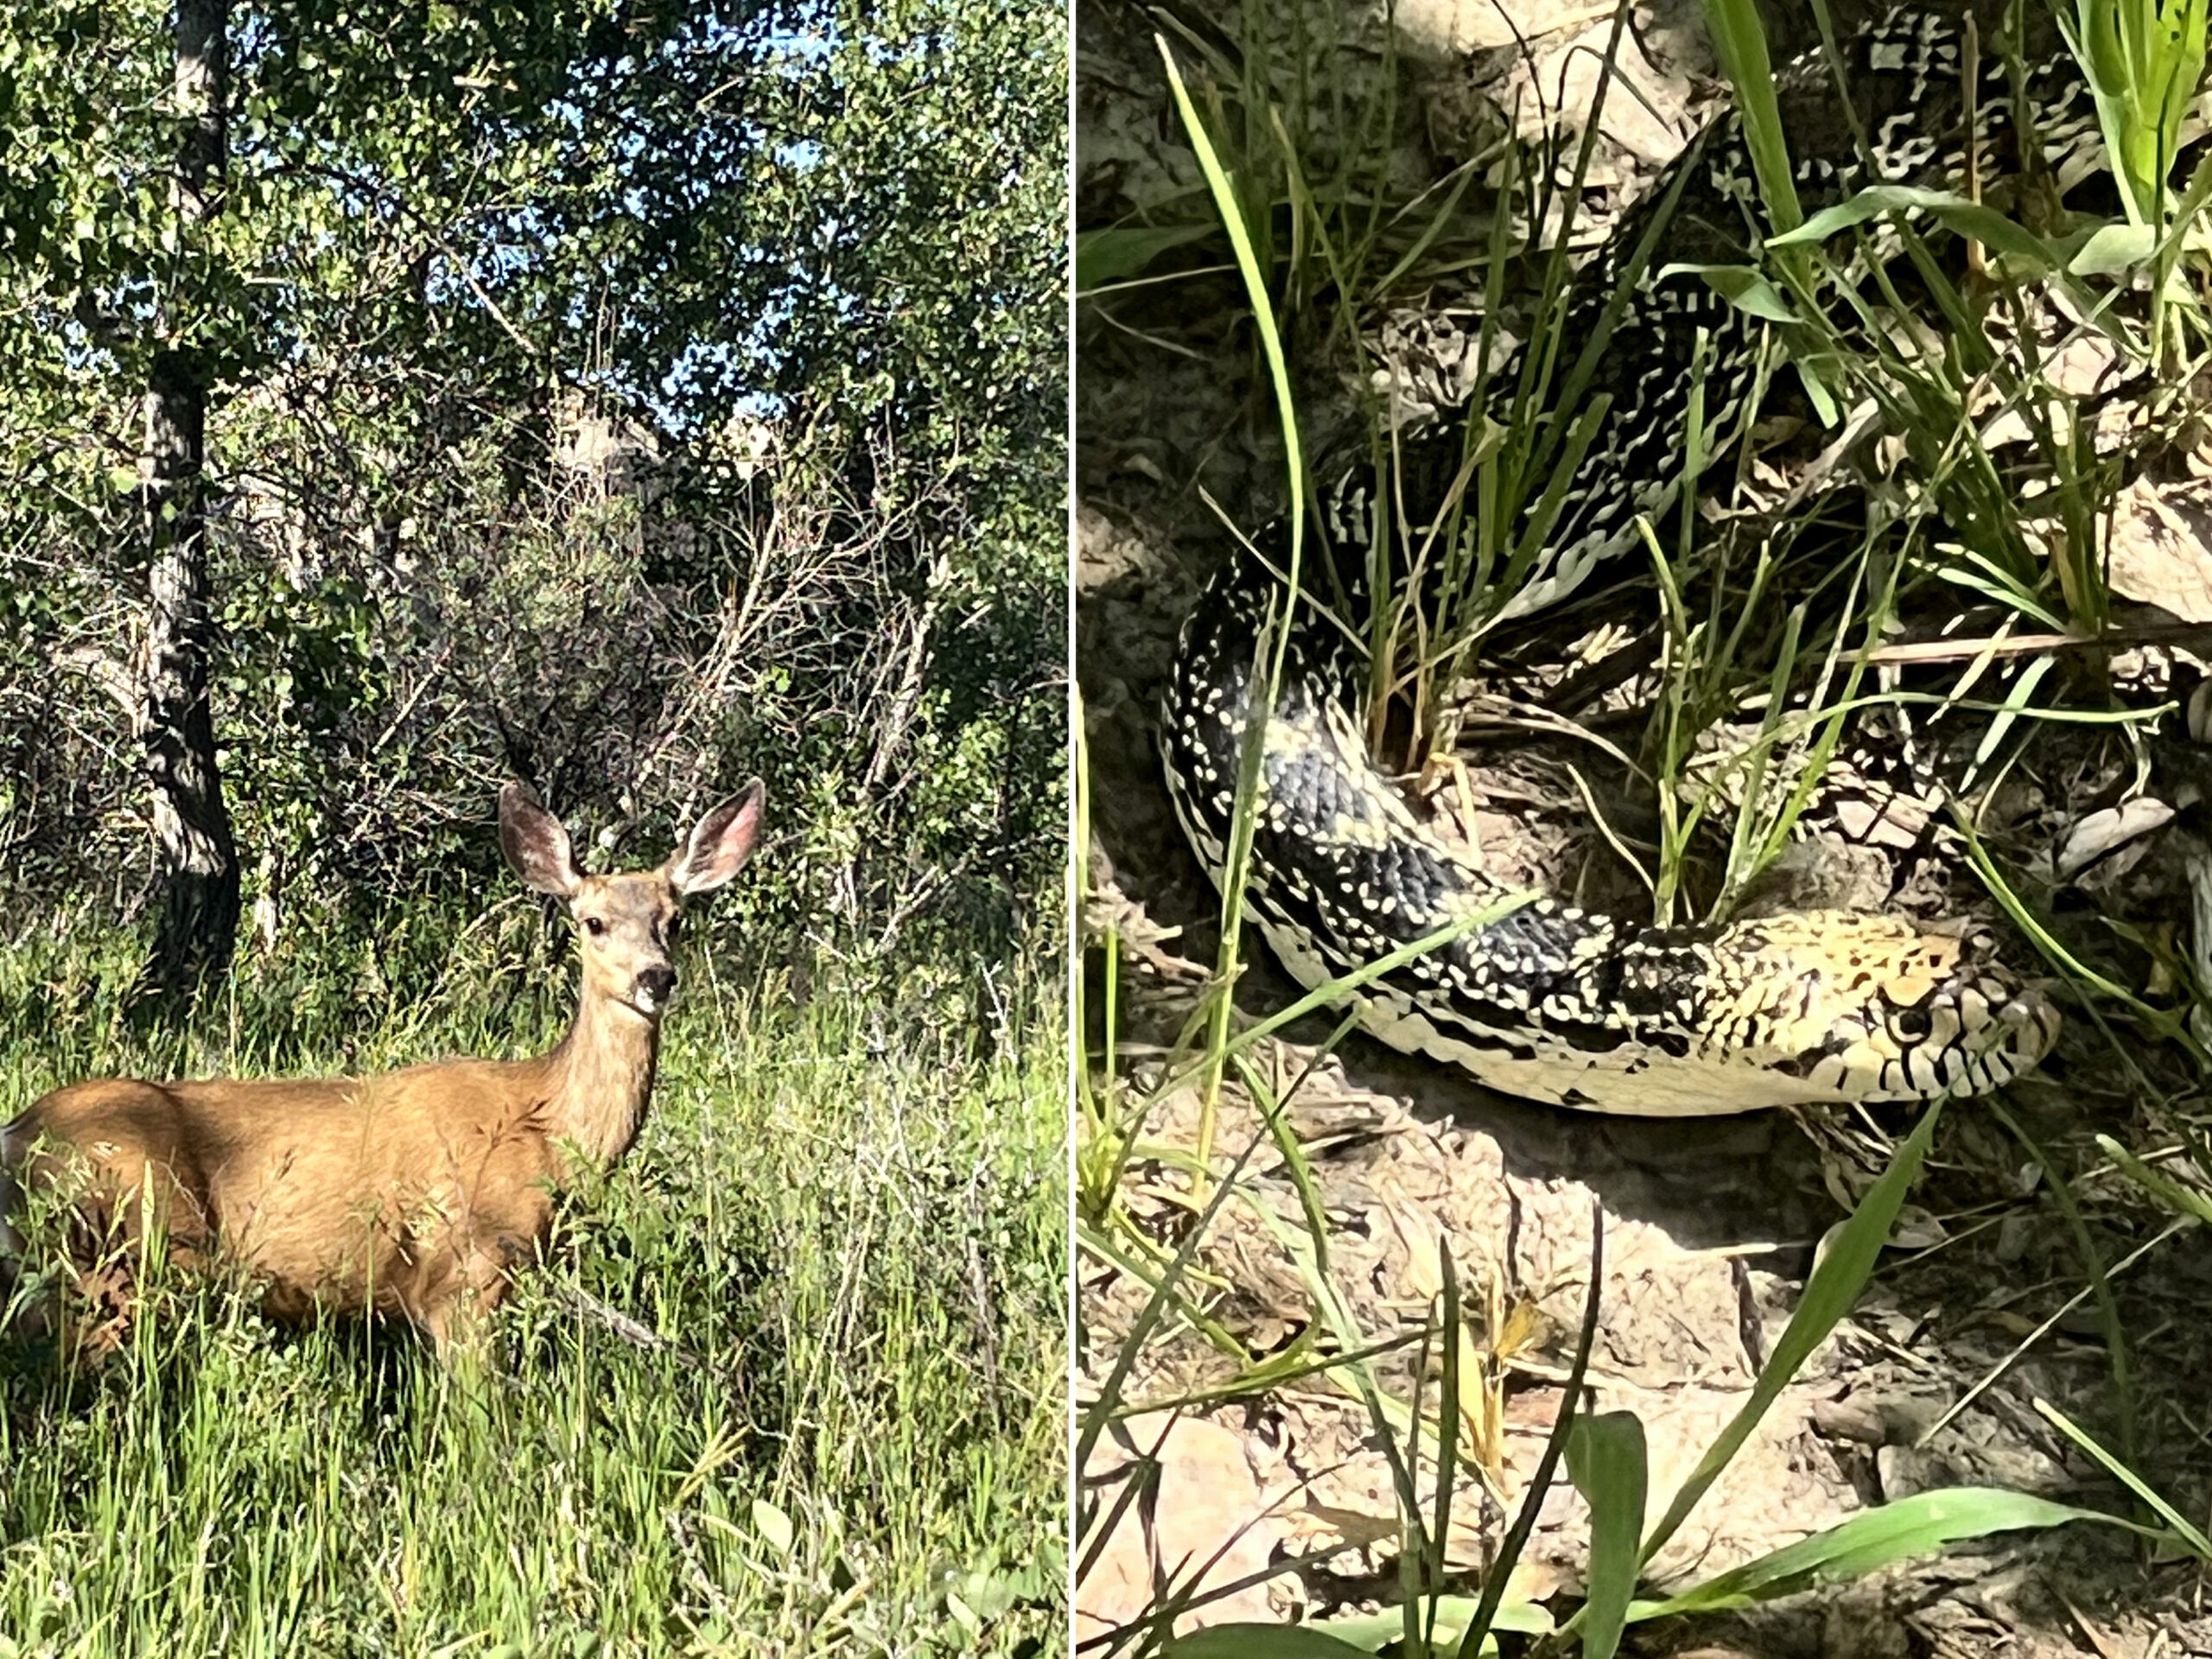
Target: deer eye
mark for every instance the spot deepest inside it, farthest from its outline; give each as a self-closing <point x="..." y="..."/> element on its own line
<point x="593" y="926"/>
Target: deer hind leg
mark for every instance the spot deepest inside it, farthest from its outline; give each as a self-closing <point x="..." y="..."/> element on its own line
<point x="130" y="1214"/>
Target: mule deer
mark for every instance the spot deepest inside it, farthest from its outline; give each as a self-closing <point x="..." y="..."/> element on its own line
<point x="415" y="1194"/>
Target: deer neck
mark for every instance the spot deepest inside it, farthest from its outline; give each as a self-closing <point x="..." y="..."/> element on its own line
<point x="601" y="1079"/>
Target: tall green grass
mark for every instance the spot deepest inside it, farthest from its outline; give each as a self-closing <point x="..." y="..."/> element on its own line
<point x="836" y="1424"/>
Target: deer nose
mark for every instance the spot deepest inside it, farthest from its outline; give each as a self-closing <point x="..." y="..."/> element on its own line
<point x="658" y="984"/>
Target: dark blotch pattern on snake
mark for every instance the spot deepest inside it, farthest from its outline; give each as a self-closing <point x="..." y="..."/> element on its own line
<point x="1549" y="1001"/>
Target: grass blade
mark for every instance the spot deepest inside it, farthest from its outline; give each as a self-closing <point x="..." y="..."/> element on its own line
<point x="1956" y="212"/>
<point x="2188" y="1533"/>
<point x="1228" y="203"/>
<point x="1740" y="38"/>
<point x="1155" y="1308"/>
<point x="1834" y="1285"/>
<point x="1919" y="1525"/>
<point x="2183" y="1201"/>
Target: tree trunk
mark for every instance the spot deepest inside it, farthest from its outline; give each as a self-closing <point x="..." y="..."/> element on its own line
<point x="200" y="901"/>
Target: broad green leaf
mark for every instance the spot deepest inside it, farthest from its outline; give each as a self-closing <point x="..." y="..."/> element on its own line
<point x="1362" y="1633"/>
<point x="1605" y="1460"/>
<point x="2113" y="247"/>
<point x="1918" y="1525"/>
<point x="773" y="1526"/>
<point x="2144" y="59"/>
<point x="1834" y="1285"/>
<point x="1985" y="225"/>
<point x="1371" y="1632"/>
<point x="1375" y="1631"/>
<point x="1260" y="1642"/>
<point x="1119" y="252"/>
<point x="1742" y="287"/>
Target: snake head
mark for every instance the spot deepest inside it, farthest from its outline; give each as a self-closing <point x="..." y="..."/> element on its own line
<point x="1880" y="1009"/>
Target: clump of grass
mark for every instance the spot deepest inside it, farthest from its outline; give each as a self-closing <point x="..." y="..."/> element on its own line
<point x="837" y="1248"/>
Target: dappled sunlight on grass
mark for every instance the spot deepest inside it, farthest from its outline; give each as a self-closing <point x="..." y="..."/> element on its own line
<point x="844" y="1225"/>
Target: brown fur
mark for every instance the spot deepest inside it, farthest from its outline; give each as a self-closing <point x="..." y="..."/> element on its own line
<point x="415" y="1194"/>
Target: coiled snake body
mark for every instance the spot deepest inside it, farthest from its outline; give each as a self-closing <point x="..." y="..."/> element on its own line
<point x="1549" y="1001"/>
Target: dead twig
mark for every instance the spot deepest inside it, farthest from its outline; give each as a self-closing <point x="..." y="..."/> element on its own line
<point x="631" y="1331"/>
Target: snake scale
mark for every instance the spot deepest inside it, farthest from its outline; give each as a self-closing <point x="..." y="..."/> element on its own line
<point x="1551" y="1001"/>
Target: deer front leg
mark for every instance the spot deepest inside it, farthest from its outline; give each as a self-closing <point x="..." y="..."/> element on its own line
<point x="455" y="1313"/>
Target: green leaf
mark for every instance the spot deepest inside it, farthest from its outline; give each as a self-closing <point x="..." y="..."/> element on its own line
<point x="1228" y="203"/>
<point x="1985" y="225"/>
<point x="1121" y="251"/>
<point x="773" y="1526"/>
<point x="1371" y="1632"/>
<point x="2182" y="1200"/>
<point x="1605" y="1460"/>
<point x="2143" y="59"/>
<point x="1262" y="1642"/>
<point x="1742" y="287"/>
<point x="1826" y="409"/>
<point x="1919" y="1525"/>
<point x="2111" y="249"/>
<point x="1739" y="37"/>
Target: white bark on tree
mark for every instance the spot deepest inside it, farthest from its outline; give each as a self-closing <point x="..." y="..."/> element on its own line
<point x="200" y="900"/>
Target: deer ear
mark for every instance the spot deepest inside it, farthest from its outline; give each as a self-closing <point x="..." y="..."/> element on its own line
<point x="536" y="845"/>
<point x="718" y="845"/>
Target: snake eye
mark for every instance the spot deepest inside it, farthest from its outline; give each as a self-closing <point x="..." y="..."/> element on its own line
<point x="1909" y="1025"/>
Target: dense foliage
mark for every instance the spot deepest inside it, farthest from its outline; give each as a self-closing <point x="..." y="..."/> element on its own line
<point x="626" y="395"/>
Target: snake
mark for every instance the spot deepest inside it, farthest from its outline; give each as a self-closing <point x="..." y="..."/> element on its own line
<point x="1534" y="995"/>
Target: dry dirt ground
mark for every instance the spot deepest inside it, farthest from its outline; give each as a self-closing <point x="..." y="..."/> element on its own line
<point x="1710" y="1226"/>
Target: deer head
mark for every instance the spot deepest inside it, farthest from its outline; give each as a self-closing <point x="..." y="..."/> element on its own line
<point x="627" y="923"/>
